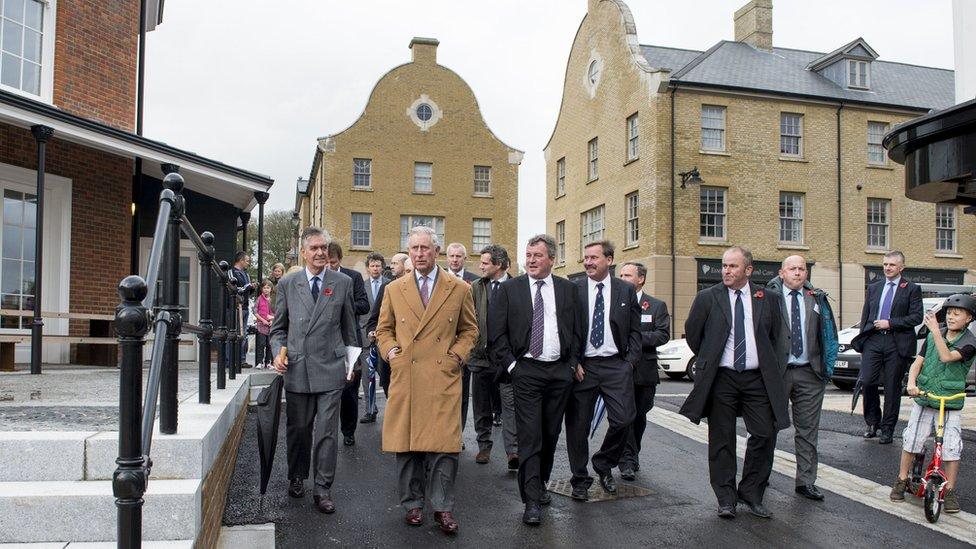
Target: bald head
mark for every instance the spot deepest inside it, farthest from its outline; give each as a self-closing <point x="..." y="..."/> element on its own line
<point x="793" y="271"/>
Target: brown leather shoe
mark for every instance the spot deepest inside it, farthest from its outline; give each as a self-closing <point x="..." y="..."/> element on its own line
<point x="482" y="457"/>
<point x="324" y="504"/>
<point x="446" y="521"/>
<point x="415" y="516"/>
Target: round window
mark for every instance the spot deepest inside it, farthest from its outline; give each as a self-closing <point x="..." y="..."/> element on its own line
<point x="424" y="112"/>
<point x="594" y="71"/>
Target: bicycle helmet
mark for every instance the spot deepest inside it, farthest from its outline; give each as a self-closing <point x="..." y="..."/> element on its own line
<point x="961" y="301"/>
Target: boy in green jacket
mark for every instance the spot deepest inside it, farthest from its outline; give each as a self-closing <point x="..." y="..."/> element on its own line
<point x="940" y="368"/>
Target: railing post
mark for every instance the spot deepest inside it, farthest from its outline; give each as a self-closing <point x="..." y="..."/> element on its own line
<point x="221" y="333"/>
<point x="42" y="134"/>
<point x="169" y="382"/>
<point x="245" y="219"/>
<point x="131" y="475"/>
<point x="206" y="316"/>
<point x="235" y="348"/>
<point x="261" y="197"/>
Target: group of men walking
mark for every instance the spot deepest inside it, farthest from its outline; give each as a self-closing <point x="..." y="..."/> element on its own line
<point x="550" y="348"/>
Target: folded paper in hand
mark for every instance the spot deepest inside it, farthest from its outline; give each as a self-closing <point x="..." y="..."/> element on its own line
<point x="352" y="355"/>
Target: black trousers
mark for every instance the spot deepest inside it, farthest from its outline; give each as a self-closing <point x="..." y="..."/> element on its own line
<point x="465" y="394"/>
<point x="496" y="400"/>
<point x="349" y="405"/>
<point x="644" y="401"/>
<point x="740" y="393"/>
<point x="482" y="383"/>
<point x="541" y="392"/>
<point x="882" y="365"/>
<point x="383" y="369"/>
<point x="262" y="349"/>
<point x="613" y="379"/>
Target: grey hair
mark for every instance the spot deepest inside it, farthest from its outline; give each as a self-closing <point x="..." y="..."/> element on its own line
<point x="896" y="253"/>
<point x="464" y="251"/>
<point x="426" y="231"/>
<point x="549" y="241"/>
<point x="311" y="231"/>
<point x="746" y="254"/>
<point x="499" y="255"/>
<point x="641" y="269"/>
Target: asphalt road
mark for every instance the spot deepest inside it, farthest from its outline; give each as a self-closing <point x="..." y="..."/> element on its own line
<point x="679" y="512"/>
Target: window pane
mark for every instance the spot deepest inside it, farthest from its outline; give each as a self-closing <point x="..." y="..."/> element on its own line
<point x="13" y="208"/>
<point x="29" y="243"/>
<point x="14" y="9"/>
<point x="34" y="16"/>
<point x="32" y="46"/>
<point x="12" y="242"/>
<point x="10" y="279"/>
<point x="13" y="38"/>
<point x="32" y="78"/>
<point x="10" y="71"/>
<point x="30" y="210"/>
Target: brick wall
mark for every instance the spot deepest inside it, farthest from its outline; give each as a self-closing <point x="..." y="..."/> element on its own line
<point x="95" y="61"/>
<point x="215" y="486"/>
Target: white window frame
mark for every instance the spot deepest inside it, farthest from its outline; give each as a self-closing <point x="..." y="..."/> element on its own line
<point x="633" y="138"/>
<point x="561" y="177"/>
<point x="484" y="181"/>
<point x="715" y="124"/>
<point x="876" y="151"/>
<point x="880" y="218"/>
<point x="368" y="230"/>
<point x="592" y="226"/>
<point x="593" y="159"/>
<point x="862" y="79"/>
<point x="791" y="217"/>
<point x="428" y="179"/>
<point x="359" y="173"/>
<point x="717" y="210"/>
<point x="945" y="228"/>
<point x="632" y="225"/>
<point x="47" y="57"/>
<point x="436" y="223"/>
<point x="561" y="242"/>
<point x="789" y="132"/>
<point x="479" y="237"/>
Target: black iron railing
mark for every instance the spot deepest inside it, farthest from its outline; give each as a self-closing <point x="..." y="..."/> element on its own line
<point x="135" y="316"/>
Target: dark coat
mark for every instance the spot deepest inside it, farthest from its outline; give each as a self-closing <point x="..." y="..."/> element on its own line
<point x="510" y="323"/>
<point x="707" y="329"/>
<point x="624" y="317"/>
<point x="784" y="342"/>
<point x="906" y="313"/>
<point x="359" y="298"/>
<point x="654" y="333"/>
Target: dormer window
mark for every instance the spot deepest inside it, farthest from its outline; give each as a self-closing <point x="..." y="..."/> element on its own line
<point x="858" y="74"/>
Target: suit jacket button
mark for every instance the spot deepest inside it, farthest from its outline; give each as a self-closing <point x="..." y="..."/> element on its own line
<point x="438" y="361"/>
<point x="413" y="361"/>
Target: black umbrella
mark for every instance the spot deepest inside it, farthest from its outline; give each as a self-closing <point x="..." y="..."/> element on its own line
<point x="269" y="416"/>
<point x="858" y="388"/>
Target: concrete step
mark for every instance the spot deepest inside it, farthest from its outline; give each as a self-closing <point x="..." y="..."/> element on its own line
<point x="84" y="511"/>
<point x="175" y="544"/>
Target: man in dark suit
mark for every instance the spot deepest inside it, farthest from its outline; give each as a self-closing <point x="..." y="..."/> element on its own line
<point x="799" y="347"/>
<point x="610" y="345"/>
<point x="533" y="340"/>
<point x="374" y="286"/>
<point x="892" y="309"/>
<point x="732" y="329"/>
<point x="655" y="330"/>
<point x="242" y="261"/>
<point x="457" y="254"/>
<point x="349" y="411"/>
<point x="382" y="366"/>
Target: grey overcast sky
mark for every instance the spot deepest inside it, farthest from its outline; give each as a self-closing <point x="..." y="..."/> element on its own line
<point x="253" y="83"/>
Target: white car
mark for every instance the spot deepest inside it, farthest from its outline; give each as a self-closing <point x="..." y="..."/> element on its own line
<point x="676" y="359"/>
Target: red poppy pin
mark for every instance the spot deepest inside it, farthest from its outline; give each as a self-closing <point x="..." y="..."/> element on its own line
<point x="810" y="293"/>
<point x="327" y="292"/>
<point x="903" y="285"/>
<point x="759" y="294"/>
<point x="646" y="305"/>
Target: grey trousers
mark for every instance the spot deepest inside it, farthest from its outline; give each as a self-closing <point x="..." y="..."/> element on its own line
<point x="311" y="423"/>
<point x="806" y="393"/>
<point x="509" y="433"/>
<point x="414" y="481"/>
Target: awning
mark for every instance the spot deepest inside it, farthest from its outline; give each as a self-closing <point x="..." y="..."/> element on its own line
<point x="203" y="175"/>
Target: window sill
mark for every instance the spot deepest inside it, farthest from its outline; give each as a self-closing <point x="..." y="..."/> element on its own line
<point x="948" y="255"/>
<point x="714" y="153"/>
<point x="791" y="246"/>
<point x="879" y="167"/>
<point x="632" y="160"/>
<point x="713" y="243"/>
<point x="800" y="159"/>
<point x="588" y="181"/>
<point x="558" y="196"/>
<point x="423" y="192"/>
<point x="477" y="195"/>
<point x="363" y="189"/>
<point x="630" y="246"/>
<point x="361" y="248"/>
<point x="875" y="251"/>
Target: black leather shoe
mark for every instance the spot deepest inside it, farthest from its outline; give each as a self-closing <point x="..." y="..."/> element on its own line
<point x="579" y="493"/>
<point x="628" y="474"/>
<point x="296" y="488"/>
<point x="368" y="418"/>
<point x="545" y="498"/>
<point x="324" y="504"/>
<point x="885" y="438"/>
<point x="606" y="480"/>
<point x="348" y="440"/>
<point x="810" y="492"/>
<point x="873" y="432"/>
<point x="758" y="509"/>
<point x="726" y="511"/>
<point x="532" y="515"/>
<point x="497" y="421"/>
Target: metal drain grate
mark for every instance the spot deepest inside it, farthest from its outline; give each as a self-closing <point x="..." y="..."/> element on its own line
<point x="597" y="493"/>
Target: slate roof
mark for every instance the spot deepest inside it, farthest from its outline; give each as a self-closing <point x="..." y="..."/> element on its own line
<point x="741" y="66"/>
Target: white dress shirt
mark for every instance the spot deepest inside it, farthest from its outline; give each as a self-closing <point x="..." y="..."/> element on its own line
<point x="752" y="355"/>
<point x="431" y="280"/>
<point x="804" y="357"/>
<point x="309" y="275"/>
<point x="550" y="343"/>
<point x="609" y="347"/>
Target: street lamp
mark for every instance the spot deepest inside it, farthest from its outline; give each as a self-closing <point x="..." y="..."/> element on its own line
<point x="691" y="177"/>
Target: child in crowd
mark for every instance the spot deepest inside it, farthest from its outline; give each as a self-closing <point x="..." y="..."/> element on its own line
<point x="940" y="368"/>
<point x="263" y="317"/>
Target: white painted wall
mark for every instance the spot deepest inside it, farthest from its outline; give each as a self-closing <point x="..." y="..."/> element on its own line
<point x="964" y="48"/>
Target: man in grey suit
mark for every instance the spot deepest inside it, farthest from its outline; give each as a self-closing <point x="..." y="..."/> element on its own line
<point x="799" y="348"/>
<point x="374" y="286"/>
<point x="315" y="320"/>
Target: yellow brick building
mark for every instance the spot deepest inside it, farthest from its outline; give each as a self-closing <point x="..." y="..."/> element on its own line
<point x="786" y="142"/>
<point x="420" y="153"/>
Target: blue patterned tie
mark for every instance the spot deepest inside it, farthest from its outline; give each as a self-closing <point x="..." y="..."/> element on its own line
<point x="538" y="322"/>
<point x="796" y="335"/>
<point x="739" y="334"/>
<point x="885" y="313"/>
<point x="596" y="325"/>
<point x="315" y="288"/>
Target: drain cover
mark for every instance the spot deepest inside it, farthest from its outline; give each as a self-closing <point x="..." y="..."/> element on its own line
<point x="597" y="493"/>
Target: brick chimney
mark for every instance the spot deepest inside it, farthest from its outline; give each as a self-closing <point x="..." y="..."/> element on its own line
<point x="424" y="50"/>
<point x="754" y="24"/>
